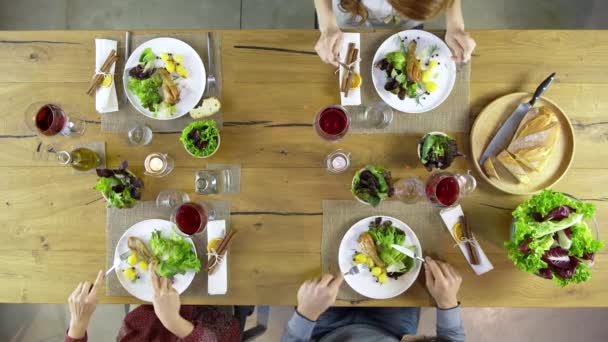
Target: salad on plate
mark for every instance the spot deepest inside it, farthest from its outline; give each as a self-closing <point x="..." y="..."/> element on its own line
<point x="155" y="80"/>
<point x="410" y="73"/>
<point x="120" y="187"/>
<point x="372" y="185"/>
<point x="551" y="239"/>
<point x="376" y="251"/>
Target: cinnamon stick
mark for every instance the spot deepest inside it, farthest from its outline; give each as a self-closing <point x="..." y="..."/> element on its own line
<point x="350" y="73"/>
<point x="221" y="249"/>
<point x="105" y="67"/>
<point x="466" y="229"/>
<point x="349" y="59"/>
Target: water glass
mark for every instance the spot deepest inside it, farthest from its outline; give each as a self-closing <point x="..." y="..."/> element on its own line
<point x="171" y="199"/>
<point x="139" y="134"/>
<point x="217" y="181"/>
<point x="378" y="115"/>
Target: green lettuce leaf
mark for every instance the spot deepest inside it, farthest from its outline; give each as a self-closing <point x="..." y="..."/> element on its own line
<point x="175" y="255"/>
<point x="147" y="91"/>
<point x="384" y="237"/>
<point x="582" y="241"/>
<point x="396" y="59"/>
<point x="581" y="275"/>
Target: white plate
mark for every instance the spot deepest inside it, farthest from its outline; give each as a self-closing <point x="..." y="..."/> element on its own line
<point x="191" y="88"/>
<point x="365" y="283"/>
<point x="446" y="71"/>
<point x="142" y="288"/>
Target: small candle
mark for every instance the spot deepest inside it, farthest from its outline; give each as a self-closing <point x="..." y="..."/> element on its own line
<point x="156" y="164"/>
<point x="338" y="163"/>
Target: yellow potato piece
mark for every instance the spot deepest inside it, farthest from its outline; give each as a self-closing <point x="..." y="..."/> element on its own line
<point x="376" y="271"/>
<point x="143" y="265"/>
<point x="432" y="64"/>
<point x="430" y="86"/>
<point x="170" y="66"/>
<point x="181" y="71"/>
<point x="382" y="278"/>
<point x="132" y="259"/>
<point x="370" y="263"/>
<point x="178" y="58"/>
<point x="427" y="75"/>
<point x="130" y="273"/>
<point x="164" y="56"/>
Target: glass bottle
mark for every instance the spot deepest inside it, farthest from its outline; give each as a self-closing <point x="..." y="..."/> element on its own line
<point x="81" y="159"/>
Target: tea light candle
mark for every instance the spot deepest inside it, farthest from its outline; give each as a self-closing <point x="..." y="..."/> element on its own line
<point x="338" y="161"/>
<point x="156" y="164"/>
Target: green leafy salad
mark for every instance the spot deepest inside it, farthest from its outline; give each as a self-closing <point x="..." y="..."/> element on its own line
<point x="551" y="239"/>
<point x="372" y="185"/>
<point x="175" y="255"/>
<point x="120" y="187"/>
<point x="201" y="138"/>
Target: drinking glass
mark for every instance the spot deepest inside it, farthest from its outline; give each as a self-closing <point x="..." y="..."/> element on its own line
<point x="332" y="123"/>
<point x="217" y="181"/>
<point x="158" y="164"/>
<point x="191" y="218"/>
<point x="47" y="119"/>
<point x="171" y="199"/>
<point x="338" y="161"/>
<point x="378" y="115"/>
<point x="446" y="189"/>
<point x="409" y="190"/>
<point x="139" y="134"/>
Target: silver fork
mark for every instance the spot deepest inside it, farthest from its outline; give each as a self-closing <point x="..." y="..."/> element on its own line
<point x="123" y="256"/>
<point x="211" y="82"/>
<point x="355" y="269"/>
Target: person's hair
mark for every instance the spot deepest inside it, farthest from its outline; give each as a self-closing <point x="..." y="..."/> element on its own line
<point x="420" y="10"/>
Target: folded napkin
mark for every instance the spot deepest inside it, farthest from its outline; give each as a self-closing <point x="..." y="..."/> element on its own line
<point x="105" y="98"/>
<point x="217" y="283"/>
<point x="354" y="95"/>
<point x="450" y="217"/>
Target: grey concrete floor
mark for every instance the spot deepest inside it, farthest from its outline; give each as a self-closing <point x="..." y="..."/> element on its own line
<point x="48" y="322"/>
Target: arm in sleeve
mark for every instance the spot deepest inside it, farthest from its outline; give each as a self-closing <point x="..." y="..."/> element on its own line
<point x="449" y="325"/>
<point x="298" y="329"/>
<point x="67" y="338"/>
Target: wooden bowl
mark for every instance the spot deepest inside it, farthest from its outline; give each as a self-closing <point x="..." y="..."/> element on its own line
<point x="491" y="118"/>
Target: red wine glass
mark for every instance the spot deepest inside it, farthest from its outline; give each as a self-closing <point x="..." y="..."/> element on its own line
<point x="332" y="123"/>
<point x="48" y="119"/>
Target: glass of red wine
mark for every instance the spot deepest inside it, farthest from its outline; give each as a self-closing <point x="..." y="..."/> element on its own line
<point x="446" y="189"/>
<point x="191" y="218"/>
<point x="332" y="123"/>
<point x="47" y="119"/>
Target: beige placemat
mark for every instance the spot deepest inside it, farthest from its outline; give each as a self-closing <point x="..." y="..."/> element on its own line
<point x="339" y="216"/>
<point x="119" y="220"/>
<point x="118" y="122"/>
<point x="453" y="115"/>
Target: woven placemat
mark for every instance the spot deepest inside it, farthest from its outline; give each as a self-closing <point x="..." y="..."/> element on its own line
<point x="339" y="216"/>
<point x="453" y="115"/>
<point x="119" y="220"/>
<point x="119" y="122"/>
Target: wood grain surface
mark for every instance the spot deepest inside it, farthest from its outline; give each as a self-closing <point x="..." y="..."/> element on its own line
<point x="53" y="223"/>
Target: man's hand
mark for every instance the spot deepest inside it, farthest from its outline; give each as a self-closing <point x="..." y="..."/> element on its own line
<point x="166" y="306"/>
<point x="82" y="304"/>
<point x="443" y="282"/>
<point x="315" y="296"/>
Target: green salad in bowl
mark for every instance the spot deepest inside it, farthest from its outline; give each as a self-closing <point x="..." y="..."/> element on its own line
<point x="201" y="138"/>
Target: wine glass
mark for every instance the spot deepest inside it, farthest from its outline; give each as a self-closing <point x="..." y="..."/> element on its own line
<point x="446" y="189"/>
<point x="332" y="123"/>
<point x="47" y="119"/>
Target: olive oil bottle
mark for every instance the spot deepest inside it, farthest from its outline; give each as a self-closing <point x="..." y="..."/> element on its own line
<point x="81" y="159"/>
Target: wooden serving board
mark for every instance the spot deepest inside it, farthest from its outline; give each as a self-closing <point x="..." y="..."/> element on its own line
<point x="493" y="116"/>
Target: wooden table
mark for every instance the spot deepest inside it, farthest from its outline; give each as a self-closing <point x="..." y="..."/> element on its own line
<point x="53" y="223"/>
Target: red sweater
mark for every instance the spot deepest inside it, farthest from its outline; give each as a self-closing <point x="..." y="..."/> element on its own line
<point x="209" y="323"/>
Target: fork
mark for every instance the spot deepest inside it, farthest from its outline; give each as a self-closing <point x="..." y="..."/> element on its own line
<point x="211" y="82"/>
<point x="355" y="269"/>
<point x="123" y="256"/>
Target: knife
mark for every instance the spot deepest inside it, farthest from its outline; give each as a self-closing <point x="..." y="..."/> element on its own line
<point x="125" y="98"/>
<point x="506" y="131"/>
<point x="407" y="252"/>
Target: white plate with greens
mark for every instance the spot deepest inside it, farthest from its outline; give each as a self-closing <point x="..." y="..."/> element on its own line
<point x="191" y="87"/>
<point x="434" y="56"/>
<point x="141" y="288"/>
<point x="365" y="283"/>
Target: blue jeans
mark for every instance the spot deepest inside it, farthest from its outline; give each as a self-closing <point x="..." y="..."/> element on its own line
<point x="395" y="321"/>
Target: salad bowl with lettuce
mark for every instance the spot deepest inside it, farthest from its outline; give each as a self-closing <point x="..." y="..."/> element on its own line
<point x="551" y="239"/>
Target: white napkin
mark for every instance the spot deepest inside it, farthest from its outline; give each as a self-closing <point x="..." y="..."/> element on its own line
<point x="450" y="217"/>
<point x="354" y="95"/>
<point x="217" y="283"/>
<point x="105" y="98"/>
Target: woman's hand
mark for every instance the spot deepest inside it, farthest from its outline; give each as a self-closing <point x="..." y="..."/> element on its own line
<point x="166" y="306"/>
<point x="315" y="296"/>
<point x="329" y="45"/>
<point x="82" y="304"/>
<point x="443" y="282"/>
<point x="461" y="44"/>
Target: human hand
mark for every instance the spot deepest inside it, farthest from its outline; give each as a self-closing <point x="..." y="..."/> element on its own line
<point x="82" y="304"/>
<point x="329" y="44"/>
<point x="315" y="296"/>
<point x="166" y="304"/>
<point x="443" y="282"/>
<point x="461" y="44"/>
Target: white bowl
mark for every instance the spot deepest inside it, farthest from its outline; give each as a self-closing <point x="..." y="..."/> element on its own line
<point x="219" y="140"/>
